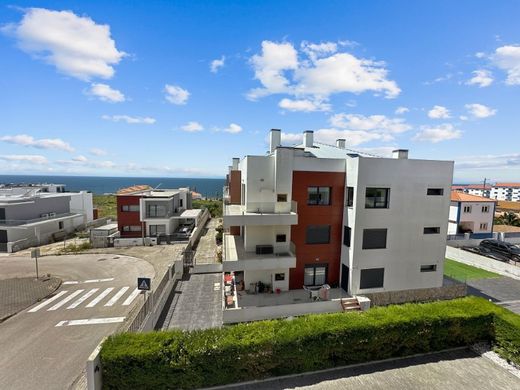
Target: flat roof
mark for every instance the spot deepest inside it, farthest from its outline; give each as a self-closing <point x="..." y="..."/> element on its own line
<point x="192" y="213"/>
<point x="110" y="226"/>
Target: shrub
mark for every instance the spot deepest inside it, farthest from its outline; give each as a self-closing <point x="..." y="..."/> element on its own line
<point x="73" y="248"/>
<point x="176" y="359"/>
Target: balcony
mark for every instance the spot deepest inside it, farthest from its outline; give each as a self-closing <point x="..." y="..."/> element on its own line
<point x="259" y="214"/>
<point x="51" y="216"/>
<point x="236" y="258"/>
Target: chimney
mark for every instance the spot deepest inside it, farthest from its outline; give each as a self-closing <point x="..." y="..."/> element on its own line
<point x="275" y="139"/>
<point x="308" y="138"/>
<point x="236" y="160"/>
<point x="400" y="154"/>
<point x="340" y="143"/>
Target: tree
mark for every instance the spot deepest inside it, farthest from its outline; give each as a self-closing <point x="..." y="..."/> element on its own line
<point x="509" y="218"/>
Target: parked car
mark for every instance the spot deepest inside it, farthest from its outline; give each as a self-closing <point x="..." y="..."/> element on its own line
<point x="506" y="249"/>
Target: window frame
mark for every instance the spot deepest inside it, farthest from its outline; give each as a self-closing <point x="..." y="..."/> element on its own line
<point x="350" y="196"/>
<point x="432" y="191"/>
<point x="316" y="243"/>
<point x="347" y="236"/>
<point x="485" y="209"/>
<point x="365" y="270"/>
<point x="432" y="230"/>
<point x="374" y="205"/>
<point x="428" y="268"/>
<point x="469" y="209"/>
<point x="281" y="235"/>
<point x="281" y="197"/>
<point x="318" y="196"/>
<point x="364" y="244"/>
<point x="314" y="266"/>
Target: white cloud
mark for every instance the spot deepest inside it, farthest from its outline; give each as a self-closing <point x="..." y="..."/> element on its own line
<point x="488" y="161"/>
<point x="80" y="158"/>
<point x="323" y="71"/>
<point x="192" y="127"/>
<point x="106" y="93"/>
<point x="98" y="152"/>
<point x="438" y="133"/>
<point x="75" y="45"/>
<point x="508" y="58"/>
<point x="303" y="105"/>
<point x="481" y="78"/>
<point x="176" y="94"/>
<point x="378" y="123"/>
<point x="352" y="137"/>
<point x="480" y="110"/>
<point x="291" y="138"/>
<point x="30" y="158"/>
<point x="233" y="128"/>
<point x="43" y="143"/>
<point x="401" y="110"/>
<point x="439" y="112"/>
<point x="130" y="119"/>
<point x="217" y="64"/>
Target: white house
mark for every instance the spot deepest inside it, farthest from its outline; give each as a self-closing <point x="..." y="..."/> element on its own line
<point x="471" y="214"/>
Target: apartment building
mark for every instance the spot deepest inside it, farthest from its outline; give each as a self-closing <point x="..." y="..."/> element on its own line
<point x="506" y="191"/>
<point x="164" y="213"/>
<point x="471" y="214"/>
<point x="316" y="214"/>
<point x="30" y="216"/>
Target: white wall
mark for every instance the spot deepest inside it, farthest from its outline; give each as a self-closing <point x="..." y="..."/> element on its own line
<point x="266" y="235"/>
<point x="477" y="216"/>
<point x="81" y="203"/>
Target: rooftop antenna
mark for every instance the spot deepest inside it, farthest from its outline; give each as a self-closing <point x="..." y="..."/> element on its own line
<point x="157" y="186"/>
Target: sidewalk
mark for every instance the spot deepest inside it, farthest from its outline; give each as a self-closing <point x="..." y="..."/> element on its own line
<point x="206" y="251"/>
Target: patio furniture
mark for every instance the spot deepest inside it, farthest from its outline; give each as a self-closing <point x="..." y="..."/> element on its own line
<point x="314" y="292"/>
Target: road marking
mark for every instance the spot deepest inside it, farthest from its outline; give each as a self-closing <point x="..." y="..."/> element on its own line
<point x="71" y="282"/>
<point x="48" y="301"/>
<point x="96" y="300"/>
<point x="91" y="321"/>
<point x="89" y="281"/>
<point x="65" y="300"/>
<point x="116" y="297"/>
<point x="131" y="298"/>
<point x="83" y="298"/>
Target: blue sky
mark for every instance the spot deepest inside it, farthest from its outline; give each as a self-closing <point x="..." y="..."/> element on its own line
<point x="171" y="88"/>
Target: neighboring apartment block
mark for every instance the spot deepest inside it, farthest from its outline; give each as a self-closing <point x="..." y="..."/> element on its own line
<point x="164" y="213"/>
<point x="471" y="214"/>
<point x="318" y="214"/>
<point x="30" y="216"/>
<point x="500" y="191"/>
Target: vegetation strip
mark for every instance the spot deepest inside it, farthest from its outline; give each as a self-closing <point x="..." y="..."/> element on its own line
<point x="464" y="272"/>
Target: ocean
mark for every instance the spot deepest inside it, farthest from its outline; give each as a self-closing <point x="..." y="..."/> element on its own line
<point x="209" y="188"/>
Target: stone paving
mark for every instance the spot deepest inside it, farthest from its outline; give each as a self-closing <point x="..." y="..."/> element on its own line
<point x="206" y="251"/>
<point x="460" y="369"/>
<point x="19" y="293"/>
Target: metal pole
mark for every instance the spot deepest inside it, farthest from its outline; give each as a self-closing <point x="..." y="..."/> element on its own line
<point x="36" y="265"/>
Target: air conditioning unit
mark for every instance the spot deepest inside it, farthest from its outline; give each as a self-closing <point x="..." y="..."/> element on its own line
<point x="44" y="215"/>
<point x="52" y="214"/>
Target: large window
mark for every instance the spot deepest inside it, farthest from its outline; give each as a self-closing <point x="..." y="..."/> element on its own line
<point x="156" y="230"/>
<point x="350" y="196"/>
<point x="130" y="207"/>
<point x="133" y="228"/>
<point x="372" y="278"/>
<point x="346" y="235"/>
<point x="318" y="196"/>
<point x="318" y="234"/>
<point x="374" y="238"/>
<point x="315" y="275"/>
<point x="155" y="210"/>
<point x="377" y="198"/>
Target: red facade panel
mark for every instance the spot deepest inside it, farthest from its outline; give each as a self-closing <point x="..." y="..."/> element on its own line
<point x="235" y="187"/>
<point x="128" y="218"/>
<point x="313" y="254"/>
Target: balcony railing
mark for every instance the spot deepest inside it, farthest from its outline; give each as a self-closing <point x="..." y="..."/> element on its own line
<point x="18" y="222"/>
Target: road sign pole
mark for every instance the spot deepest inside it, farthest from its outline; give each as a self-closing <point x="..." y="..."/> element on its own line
<point x="36" y="265"/>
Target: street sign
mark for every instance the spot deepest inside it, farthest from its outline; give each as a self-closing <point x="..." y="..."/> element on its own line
<point x="144" y="284"/>
<point x="35" y="253"/>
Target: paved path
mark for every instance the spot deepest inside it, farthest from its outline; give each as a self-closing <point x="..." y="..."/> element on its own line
<point x="448" y="370"/>
<point x="504" y="291"/>
<point x="206" y="251"/>
<point x="196" y="303"/>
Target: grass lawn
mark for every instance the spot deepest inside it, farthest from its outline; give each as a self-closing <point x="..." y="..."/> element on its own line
<point x="106" y="204"/>
<point x="463" y="272"/>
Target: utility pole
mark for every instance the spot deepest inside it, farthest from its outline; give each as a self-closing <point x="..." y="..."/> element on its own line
<point x="484" y="189"/>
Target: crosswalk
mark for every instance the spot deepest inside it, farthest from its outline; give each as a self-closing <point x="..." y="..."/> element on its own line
<point x="87" y="298"/>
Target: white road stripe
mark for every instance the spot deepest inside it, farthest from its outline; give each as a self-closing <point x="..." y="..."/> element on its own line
<point x="83" y="298"/>
<point x="116" y="297"/>
<point x="98" y="280"/>
<point x="91" y="321"/>
<point x="96" y="300"/>
<point x="48" y="301"/>
<point x="71" y="282"/>
<point x="131" y="297"/>
<point x="65" y="300"/>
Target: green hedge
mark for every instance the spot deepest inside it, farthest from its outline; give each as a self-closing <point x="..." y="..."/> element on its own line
<point x="177" y="359"/>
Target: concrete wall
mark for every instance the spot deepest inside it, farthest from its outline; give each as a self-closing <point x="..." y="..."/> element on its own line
<point x="37" y="206"/>
<point x="266" y="235"/>
<point x="81" y="203"/>
<point x="267" y="277"/>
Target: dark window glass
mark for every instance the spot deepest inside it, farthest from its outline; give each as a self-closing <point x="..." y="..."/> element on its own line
<point x="315" y="275"/>
<point x="124" y="208"/>
<point x="429" y="268"/>
<point x="374" y="238"/>
<point x="435" y="191"/>
<point x="318" y="234"/>
<point x="432" y="230"/>
<point x="281" y="198"/>
<point x="281" y="238"/>
<point x="279" y="277"/>
<point x="318" y="196"/>
<point x="372" y="278"/>
<point x="346" y="236"/>
<point x="350" y="196"/>
<point x="60" y="225"/>
<point x="377" y="198"/>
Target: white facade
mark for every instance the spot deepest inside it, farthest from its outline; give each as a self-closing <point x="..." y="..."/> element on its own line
<point x="471" y="217"/>
<point x="510" y="193"/>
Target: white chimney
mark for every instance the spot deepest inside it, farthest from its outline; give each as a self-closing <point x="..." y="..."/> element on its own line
<point x="400" y="154"/>
<point x="236" y="160"/>
<point x="340" y="143"/>
<point x="308" y="138"/>
<point x="275" y="139"/>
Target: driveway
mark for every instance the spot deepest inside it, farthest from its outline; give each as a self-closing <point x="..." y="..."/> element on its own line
<point x="503" y="290"/>
<point x="46" y="345"/>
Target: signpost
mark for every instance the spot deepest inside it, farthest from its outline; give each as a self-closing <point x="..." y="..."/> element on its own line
<point x="34" y="255"/>
<point x="144" y="284"/>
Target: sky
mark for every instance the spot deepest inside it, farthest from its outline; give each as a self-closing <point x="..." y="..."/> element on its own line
<point x="178" y="88"/>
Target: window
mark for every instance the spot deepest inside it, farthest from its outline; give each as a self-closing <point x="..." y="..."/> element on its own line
<point x="377" y="198"/>
<point x="372" y="278"/>
<point x="467" y="209"/>
<point x="483" y="226"/>
<point x="279" y="277"/>
<point x="485" y="209"/>
<point x="318" y="234"/>
<point x="374" y="238"/>
<point x="155" y="210"/>
<point x="435" y="191"/>
<point x="180" y="202"/>
<point x="318" y="196"/>
<point x="156" y="230"/>
<point x="315" y="275"/>
<point x="281" y="198"/>
<point x="350" y="196"/>
<point x="133" y="228"/>
<point x="432" y="230"/>
<point x="346" y="235"/>
<point x="60" y="225"/>
<point x="429" y="268"/>
<point x="130" y="207"/>
<point x="281" y="238"/>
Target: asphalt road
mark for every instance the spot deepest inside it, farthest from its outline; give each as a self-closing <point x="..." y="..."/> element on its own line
<point x="46" y="345"/>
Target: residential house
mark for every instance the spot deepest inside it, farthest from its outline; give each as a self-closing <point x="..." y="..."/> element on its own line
<point x="471" y="214"/>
